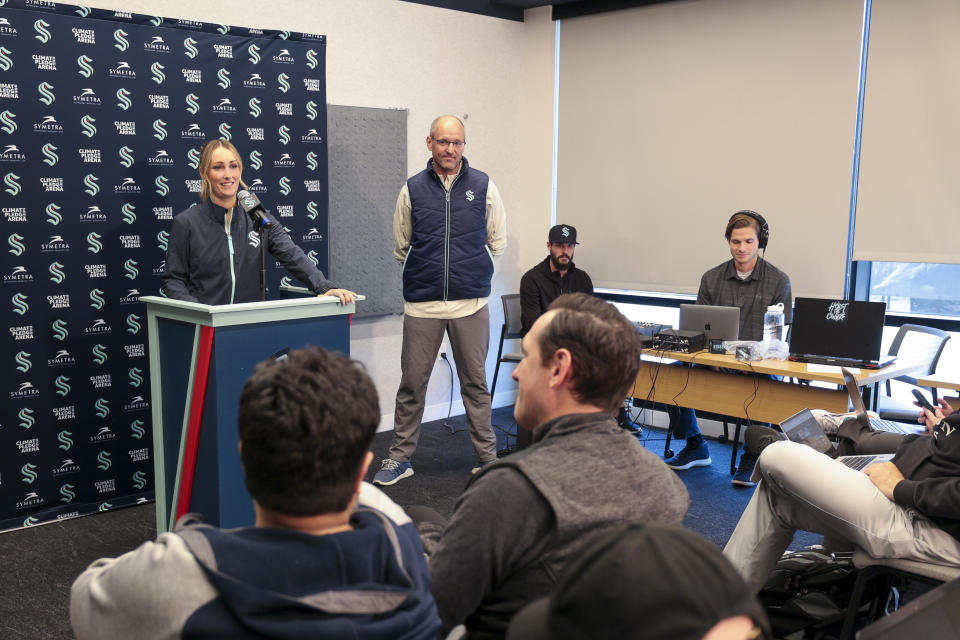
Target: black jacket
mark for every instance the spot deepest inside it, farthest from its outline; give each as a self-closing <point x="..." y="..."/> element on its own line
<point x="198" y="267"/>
<point x="540" y="286"/>
<point x="931" y="466"/>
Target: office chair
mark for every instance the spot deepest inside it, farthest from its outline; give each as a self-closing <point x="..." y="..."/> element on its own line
<point x="509" y="331"/>
<point x="913" y="344"/>
<point x="885" y="571"/>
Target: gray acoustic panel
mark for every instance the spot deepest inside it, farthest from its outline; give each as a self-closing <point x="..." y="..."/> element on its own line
<point x="368" y="166"/>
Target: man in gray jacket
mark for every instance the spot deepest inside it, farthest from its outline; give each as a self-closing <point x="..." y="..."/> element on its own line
<point x="522" y="518"/>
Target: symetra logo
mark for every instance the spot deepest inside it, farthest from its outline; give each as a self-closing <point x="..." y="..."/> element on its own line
<point x="61" y="358"/>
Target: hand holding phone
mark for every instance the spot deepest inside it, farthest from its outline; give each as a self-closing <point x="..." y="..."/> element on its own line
<point x="922" y="399"/>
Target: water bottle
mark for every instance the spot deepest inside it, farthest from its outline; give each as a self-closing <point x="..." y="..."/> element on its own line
<point x="773" y="322"/>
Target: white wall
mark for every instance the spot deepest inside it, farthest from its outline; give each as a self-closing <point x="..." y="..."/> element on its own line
<point x="496" y="74"/>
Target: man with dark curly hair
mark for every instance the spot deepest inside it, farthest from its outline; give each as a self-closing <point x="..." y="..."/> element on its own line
<point x="328" y="556"/>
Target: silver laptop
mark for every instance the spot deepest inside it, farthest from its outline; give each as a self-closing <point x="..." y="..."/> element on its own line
<point x="877" y="424"/>
<point x="717" y="323"/>
<point x="803" y="427"/>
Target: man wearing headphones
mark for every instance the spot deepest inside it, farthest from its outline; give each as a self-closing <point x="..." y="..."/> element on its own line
<point x="751" y="283"/>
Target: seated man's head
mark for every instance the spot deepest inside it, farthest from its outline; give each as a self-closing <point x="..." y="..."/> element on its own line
<point x="653" y="581"/>
<point x="581" y="355"/>
<point x="306" y="423"/>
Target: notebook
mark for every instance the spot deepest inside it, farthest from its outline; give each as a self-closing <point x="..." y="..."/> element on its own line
<point x="838" y="332"/>
<point x="877" y="424"/>
<point x="717" y="323"/>
<point x="803" y="427"/>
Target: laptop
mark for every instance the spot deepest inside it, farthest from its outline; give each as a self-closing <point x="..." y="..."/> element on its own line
<point x="838" y="332"/>
<point x="877" y="424"/>
<point x="717" y="323"/>
<point x="803" y="427"/>
<point x="933" y="615"/>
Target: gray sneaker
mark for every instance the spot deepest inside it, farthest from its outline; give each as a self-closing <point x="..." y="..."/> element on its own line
<point x="392" y="472"/>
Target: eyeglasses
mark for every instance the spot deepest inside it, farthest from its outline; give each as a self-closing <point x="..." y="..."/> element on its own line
<point x="443" y="144"/>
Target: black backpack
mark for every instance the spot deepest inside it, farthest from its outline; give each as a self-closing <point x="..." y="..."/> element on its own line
<point x="807" y="594"/>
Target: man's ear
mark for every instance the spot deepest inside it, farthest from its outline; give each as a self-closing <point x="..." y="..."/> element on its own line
<point x="561" y="368"/>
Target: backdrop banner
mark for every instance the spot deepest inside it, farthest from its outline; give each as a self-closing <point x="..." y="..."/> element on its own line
<point x="102" y="117"/>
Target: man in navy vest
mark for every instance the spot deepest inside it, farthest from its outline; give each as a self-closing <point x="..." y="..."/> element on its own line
<point x="448" y="224"/>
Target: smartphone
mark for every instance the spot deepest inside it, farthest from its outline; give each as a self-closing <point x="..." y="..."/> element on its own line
<point x="922" y="399"/>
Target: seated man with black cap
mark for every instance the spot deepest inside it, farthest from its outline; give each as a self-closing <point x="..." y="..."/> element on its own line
<point x="553" y="277"/>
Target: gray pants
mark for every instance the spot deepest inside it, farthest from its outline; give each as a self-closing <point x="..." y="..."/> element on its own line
<point x="469" y="341"/>
<point x="801" y="488"/>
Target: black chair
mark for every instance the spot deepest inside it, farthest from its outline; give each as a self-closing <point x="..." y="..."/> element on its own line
<point x="509" y="331"/>
<point x="882" y="574"/>
<point x="913" y="344"/>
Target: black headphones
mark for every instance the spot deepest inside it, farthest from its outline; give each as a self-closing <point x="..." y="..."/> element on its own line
<point x="764" y="235"/>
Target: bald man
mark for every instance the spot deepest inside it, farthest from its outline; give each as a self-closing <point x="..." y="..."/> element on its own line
<point x="448" y="224"/>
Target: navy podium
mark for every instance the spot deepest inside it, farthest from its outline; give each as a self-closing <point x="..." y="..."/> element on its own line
<point x="200" y="357"/>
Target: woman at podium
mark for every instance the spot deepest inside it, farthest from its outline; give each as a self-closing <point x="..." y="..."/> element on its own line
<point x="213" y="256"/>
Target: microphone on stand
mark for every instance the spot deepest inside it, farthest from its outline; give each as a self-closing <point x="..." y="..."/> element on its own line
<point x="253" y="208"/>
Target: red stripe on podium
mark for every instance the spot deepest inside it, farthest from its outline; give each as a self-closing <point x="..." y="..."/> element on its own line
<point x="205" y="348"/>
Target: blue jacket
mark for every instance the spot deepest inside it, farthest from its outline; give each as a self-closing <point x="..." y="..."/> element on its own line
<point x="448" y="258"/>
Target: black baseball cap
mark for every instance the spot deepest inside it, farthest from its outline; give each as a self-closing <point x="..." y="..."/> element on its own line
<point x="650" y="581"/>
<point x="563" y="233"/>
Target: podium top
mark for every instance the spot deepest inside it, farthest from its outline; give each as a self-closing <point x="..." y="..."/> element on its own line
<point x="225" y="315"/>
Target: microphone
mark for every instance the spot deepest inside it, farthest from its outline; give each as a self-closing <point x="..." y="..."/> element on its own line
<point x="253" y="208"/>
